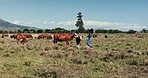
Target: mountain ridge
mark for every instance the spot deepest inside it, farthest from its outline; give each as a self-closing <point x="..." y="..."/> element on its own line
<point x="5" y="25"/>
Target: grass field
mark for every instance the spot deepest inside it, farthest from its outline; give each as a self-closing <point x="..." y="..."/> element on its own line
<point x="118" y="56"/>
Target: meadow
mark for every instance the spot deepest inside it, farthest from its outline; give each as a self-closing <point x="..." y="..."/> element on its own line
<point x="117" y="56"/>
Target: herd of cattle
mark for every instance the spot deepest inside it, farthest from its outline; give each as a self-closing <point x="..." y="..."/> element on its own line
<point x="57" y="37"/>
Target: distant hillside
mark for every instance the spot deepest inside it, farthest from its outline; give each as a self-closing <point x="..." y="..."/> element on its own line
<point x="5" y="25"/>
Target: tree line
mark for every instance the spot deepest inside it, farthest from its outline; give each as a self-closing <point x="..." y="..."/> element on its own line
<point x="62" y="30"/>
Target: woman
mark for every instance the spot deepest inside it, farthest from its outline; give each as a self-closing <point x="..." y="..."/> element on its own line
<point x="90" y="36"/>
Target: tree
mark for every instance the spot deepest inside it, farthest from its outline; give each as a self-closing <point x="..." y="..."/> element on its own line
<point x="19" y="31"/>
<point x="26" y="31"/>
<point x="72" y="31"/>
<point x="47" y="30"/>
<point x="79" y="22"/>
<point x="131" y="31"/>
<point x="59" y="30"/>
<point x="101" y="31"/>
<point x="32" y="31"/>
<point x="143" y="30"/>
<point x="40" y="31"/>
<point x="11" y="31"/>
<point x="107" y="31"/>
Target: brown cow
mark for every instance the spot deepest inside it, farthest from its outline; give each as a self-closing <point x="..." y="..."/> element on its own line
<point x="28" y="36"/>
<point x="4" y="35"/>
<point x="95" y="35"/>
<point x="22" y="38"/>
<point x="64" y="37"/>
<point x="14" y="36"/>
<point x="42" y="36"/>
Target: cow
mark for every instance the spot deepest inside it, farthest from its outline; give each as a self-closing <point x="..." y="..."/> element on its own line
<point x="106" y="36"/>
<point x="42" y="36"/>
<point x="64" y="37"/>
<point x="95" y="35"/>
<point x="22" y="38"/>
<point x="29" y="36"/>
<point x="79" y="40"/>
<point x="14" y="36"/>
<point x="35" y="36"/>
<point x="4" y="35"/>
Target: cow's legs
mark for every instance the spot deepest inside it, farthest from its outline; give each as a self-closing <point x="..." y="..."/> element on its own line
<point x="24" y="40"/>
<point x="67" y="42"/>
<point x="18" y="41"/>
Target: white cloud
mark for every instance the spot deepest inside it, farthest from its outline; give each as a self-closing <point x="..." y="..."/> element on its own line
<point x="52" y="22"/>
<point x="114" y="25"/>
<point x="49" y="23"/>
<point x="19" y="22"/>
<point x="99" y="24"/>
<point x="16" y="22"/>
<point x="67" y="23"/>
<point x="45" y="22"/>
<point x="87" y="24"/>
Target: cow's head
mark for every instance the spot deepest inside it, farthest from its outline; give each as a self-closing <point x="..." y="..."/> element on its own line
<point x="75" y="35"/>
<point x="49" y="37"/>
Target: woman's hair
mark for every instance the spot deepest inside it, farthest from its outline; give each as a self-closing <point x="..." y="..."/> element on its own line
<point x="91" y="30"/>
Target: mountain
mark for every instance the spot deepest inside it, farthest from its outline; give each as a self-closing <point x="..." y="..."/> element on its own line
<point x="5" y="25"/>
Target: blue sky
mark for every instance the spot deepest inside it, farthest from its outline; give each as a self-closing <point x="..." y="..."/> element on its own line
<point x="106" y="14"/>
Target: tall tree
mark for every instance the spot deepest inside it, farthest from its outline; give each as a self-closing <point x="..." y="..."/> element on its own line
<point x="79" y="22"/>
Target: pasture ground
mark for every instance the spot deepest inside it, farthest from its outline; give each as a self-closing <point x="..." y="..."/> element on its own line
<point x="119" y="55"/>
